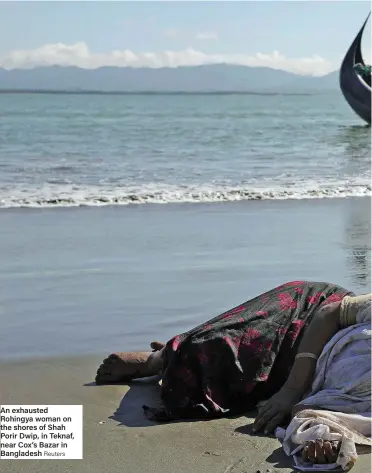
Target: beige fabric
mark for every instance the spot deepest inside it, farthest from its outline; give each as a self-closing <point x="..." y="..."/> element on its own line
<point x="355" y="310"/>
<point x="349" y="429"/>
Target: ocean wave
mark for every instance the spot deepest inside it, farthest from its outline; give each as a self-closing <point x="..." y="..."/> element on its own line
<point x="74" y="196"/>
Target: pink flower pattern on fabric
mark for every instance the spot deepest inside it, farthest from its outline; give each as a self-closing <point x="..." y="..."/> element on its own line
<point x="175" y="342"/>
<point x="295" y="329"/>
<point x="242" y="355"/>
<point x="315" y="298"/>
<point x="263" y="313"/>
<point x="235" y="311"/>
<point x="334" y="298"/>
<point x="286" y="301"/>
<point x="293" y="283"/>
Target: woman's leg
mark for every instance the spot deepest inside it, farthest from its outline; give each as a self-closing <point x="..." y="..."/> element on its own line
<point x="123" y="367"/>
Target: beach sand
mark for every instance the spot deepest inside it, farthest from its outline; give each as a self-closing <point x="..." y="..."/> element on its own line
<point x="126" y="441"/>
<point x="86" y="282"/>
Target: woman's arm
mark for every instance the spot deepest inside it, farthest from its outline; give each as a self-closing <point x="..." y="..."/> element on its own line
<point x="321" y="329"/>
<point x="325" y="324"/>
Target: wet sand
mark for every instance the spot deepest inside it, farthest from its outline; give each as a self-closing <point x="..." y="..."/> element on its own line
<point x="93" y="280"/>
<point x="126" y="441"/>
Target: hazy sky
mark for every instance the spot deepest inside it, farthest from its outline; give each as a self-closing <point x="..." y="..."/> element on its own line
<point x="304" y="36"/>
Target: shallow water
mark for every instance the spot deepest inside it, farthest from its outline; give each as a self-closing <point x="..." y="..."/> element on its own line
<point x="68" y="150"/>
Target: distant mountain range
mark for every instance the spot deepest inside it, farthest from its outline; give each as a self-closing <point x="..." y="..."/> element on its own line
<point x="209" y="78"/>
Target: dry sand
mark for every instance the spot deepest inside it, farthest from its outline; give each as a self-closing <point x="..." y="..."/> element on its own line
<point x="117" y="437"/>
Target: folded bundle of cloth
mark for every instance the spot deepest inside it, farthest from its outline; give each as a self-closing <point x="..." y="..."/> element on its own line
<point x="334" y="426"/>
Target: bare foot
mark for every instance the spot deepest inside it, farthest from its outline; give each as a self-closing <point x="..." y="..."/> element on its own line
<point x="321" y="452"/>
<point x="123" y="367"/>
<point x="157" y="346"/>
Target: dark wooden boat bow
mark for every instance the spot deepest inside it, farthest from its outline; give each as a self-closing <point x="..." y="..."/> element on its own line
<point x="356" y="89"/>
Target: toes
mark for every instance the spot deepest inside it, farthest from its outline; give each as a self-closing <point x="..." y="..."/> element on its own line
<point x="105" y="371"/>
<point x="103" y="378"/>
<point x="103" y="374"/>
<point x="112" y="358"/>
<point x="100" y="379"/>
<point x="119" y="367"/>
<point x="108" y="364"/>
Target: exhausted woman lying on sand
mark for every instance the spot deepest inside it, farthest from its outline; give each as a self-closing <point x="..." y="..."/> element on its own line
<point x="265" y="349"/>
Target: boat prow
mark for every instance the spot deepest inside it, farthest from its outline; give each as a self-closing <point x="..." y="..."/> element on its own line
<point x="356" y="89"/>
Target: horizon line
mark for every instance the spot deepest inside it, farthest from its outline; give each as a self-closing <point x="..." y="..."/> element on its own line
<point x="161" y="92"/>
<point x="164" y="67"/>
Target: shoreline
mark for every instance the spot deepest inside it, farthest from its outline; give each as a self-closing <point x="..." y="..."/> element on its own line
<point x="181" y="205"/>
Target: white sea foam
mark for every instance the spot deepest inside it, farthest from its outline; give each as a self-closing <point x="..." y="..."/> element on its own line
<point x="75" y="196"/>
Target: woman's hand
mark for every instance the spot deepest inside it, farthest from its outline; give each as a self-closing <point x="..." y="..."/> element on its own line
<point x="321" y="452"/>
<point x="276" y="409"/>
